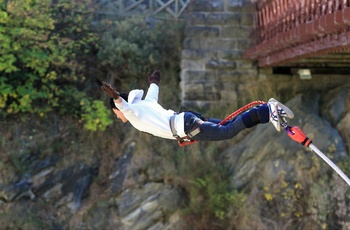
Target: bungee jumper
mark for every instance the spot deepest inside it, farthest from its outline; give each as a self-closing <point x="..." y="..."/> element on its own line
<point x="187" y="127"/>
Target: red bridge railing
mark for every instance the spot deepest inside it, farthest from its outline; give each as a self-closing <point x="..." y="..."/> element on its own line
<point x="293" y="29"/>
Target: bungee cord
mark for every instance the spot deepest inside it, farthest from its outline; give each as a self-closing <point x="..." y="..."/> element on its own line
<point x="296" y="134"/>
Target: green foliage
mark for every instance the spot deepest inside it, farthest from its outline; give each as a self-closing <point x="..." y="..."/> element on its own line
<point x="124" y="45"/>
<point x="212" y="200"/>
<point x="45" y="47"/>
<point x="283" y="198"/>
<point x="319" y="201"/>
<point x="215" y="195"/>
<point x="132" y="47"/>
<point x="18" y="162"/>
<point x="344" y="165"/>
<point x="95" y="115"/>
<point x="19" y="218"/>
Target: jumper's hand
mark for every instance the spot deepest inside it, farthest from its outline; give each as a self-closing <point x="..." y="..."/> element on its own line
<point x="110" y="90"/>
<point x="155" y="77"/>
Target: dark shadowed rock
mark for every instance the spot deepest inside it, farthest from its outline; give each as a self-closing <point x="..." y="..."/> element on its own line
<point x="70" y="185"/>
<point x="16" y="191"/>
<point x="119" y="172"/>
<point x="147" y="206"/>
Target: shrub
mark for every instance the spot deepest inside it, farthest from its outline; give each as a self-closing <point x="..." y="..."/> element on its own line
<point x="45" y="47"/>
<point x="132" y="47"/>
<point x="212" y="200"/>
<point x="95" y="115"/>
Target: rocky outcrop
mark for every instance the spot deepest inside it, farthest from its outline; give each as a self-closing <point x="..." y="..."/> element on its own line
<point x="335" y="109"/>
<point x="149" y="207"/>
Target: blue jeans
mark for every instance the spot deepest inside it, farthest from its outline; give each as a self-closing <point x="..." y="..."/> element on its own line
<point x="210" y="130"/>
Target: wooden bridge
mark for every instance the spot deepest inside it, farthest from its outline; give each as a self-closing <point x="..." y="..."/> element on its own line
<point x="302" y="32"/>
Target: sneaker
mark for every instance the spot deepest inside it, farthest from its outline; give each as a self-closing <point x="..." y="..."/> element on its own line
<point x="278" y="113"/>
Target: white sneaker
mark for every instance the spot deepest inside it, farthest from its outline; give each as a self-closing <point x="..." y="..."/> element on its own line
<point x="278" y="113"/>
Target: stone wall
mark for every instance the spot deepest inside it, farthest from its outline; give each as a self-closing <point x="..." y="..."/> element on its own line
<point x="212" y="68"/>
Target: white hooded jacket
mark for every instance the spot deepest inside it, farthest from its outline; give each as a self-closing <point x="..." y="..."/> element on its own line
<point x="148" y="115"/>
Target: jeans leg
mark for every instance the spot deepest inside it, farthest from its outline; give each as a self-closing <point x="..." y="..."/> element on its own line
<point x="217" y="121"/>
<point x="256" y="116"/>
<point x="190" y="120"/>
<point x="214" y="120"/>
<point x="212" y="131"/>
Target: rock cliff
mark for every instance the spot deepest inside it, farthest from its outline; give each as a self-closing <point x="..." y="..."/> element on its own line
<point x="142" y="185"/>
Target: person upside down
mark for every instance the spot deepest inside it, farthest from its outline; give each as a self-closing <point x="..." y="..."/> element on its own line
<point x="147" y="115"/>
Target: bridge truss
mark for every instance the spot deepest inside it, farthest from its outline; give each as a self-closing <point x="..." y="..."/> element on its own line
<point x="294" y="29"/>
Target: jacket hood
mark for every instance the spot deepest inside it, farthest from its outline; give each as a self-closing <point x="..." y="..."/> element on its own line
<point x="135" y="95"/>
